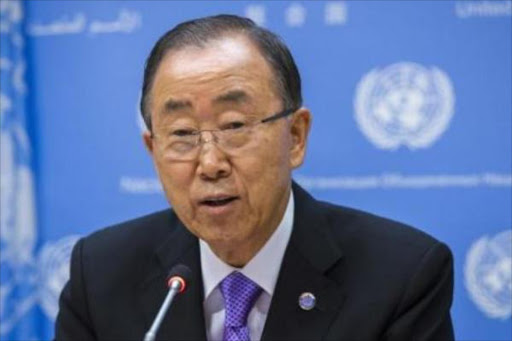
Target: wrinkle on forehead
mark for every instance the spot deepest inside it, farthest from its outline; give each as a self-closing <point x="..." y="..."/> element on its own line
<point x="230" y="63"/>
<point x="207" y="88"/>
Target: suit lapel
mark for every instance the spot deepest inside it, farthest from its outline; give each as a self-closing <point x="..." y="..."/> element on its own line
<point x="185" y="318"/>
<point x="309" y="257"/>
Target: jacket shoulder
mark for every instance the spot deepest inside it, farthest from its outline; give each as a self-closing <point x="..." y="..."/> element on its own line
<point x="127" y="246"/>
<point x="141" y="230"/>
<point x="377" y="231"/>
<point x="384" y="258"/>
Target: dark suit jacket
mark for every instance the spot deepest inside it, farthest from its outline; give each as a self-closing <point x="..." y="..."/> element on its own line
<point x="374" y="279"/>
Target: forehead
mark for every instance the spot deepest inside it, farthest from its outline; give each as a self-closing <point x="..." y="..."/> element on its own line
<point x="221" y="65"/>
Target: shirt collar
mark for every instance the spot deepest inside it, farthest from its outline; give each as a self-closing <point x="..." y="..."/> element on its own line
<point x="263" y="268"/>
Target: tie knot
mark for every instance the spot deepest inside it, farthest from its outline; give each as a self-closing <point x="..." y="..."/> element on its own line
<point x="239" y="293"/>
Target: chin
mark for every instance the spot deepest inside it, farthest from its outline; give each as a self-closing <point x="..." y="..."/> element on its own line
<point x="221" y="237"/>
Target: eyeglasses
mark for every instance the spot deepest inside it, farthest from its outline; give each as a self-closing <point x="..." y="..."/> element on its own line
<point x="182" y="144"/>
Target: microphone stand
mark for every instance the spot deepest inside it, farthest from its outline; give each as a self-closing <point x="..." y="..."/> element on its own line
<point x="174" y="289"/>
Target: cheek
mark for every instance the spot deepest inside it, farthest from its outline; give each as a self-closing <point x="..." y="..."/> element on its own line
<point x="176" y="180"/>
<point x="275" y="153"/>
<point x="264" y="161"/>
<point x="175" y="172"/>
<point x="266" y="168"/>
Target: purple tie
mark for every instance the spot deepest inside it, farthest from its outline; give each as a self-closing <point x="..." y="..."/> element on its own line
<point x="239" y="293"/>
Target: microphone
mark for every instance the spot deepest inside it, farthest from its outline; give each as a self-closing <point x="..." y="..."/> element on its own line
<point x="177" y="283"/>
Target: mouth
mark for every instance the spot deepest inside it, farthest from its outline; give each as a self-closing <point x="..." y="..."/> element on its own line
<point x="218" y="201"/>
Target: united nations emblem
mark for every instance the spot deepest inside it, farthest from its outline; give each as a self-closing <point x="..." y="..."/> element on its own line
<point x="54" y="272"/>
<point x="488" y="274"/>
<point x="404" y="104"/>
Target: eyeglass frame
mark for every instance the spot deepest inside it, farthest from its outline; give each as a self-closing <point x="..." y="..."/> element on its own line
<point x="271" y="118"/>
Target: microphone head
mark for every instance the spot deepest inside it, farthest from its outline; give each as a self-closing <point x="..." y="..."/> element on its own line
<point x="180" y="273"/>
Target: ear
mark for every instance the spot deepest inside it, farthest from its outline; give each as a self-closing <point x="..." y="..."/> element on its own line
<point x="148" y="141"/>
<point x="299" y="130"/>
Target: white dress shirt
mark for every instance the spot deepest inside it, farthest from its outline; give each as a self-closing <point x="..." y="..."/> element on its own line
<point x="262" y="269"/>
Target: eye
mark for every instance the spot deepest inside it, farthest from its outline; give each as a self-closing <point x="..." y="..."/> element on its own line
<point x="183" y="132"/>
<point x="233" y="125"/>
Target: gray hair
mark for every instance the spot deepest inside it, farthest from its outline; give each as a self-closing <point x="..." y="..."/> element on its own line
<point x="200" y="31"/>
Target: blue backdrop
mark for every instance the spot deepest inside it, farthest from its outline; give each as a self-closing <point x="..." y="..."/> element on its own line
<point x="412" y="120"/>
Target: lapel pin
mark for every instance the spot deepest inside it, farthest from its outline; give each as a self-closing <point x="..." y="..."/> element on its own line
<point x="307" y="301"/>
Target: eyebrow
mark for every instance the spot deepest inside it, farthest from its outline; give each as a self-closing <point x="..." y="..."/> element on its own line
<point x="174" y="105"/>
<point x="233" y="96"/>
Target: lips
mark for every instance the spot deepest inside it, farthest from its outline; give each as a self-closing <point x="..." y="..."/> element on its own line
<point x="218" y="201"/>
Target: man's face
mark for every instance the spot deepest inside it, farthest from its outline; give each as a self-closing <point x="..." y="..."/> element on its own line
<point x="233" y="201"/>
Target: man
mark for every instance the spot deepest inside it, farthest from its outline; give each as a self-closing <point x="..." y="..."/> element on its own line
<point x="226" y="127"/>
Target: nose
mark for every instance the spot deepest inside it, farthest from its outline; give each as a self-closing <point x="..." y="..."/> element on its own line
<point x="213" y="163"/>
